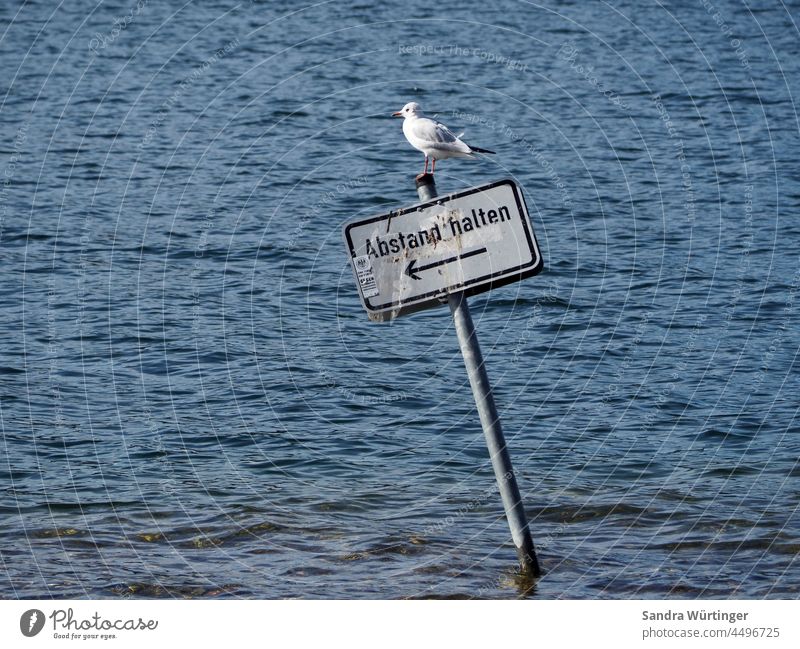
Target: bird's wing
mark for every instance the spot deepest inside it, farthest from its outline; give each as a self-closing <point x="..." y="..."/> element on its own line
<point x="431" y="131"/>
<point x="436" y="136"/>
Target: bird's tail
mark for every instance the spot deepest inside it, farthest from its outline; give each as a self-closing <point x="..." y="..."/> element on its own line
<point x="477" y="150"/>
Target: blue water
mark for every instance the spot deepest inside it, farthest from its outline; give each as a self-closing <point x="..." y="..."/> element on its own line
<point x="193" y="402"/>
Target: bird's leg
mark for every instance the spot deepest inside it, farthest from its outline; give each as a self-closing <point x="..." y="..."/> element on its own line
<point x="433" y="170"/>
<point x="425" y="170"/>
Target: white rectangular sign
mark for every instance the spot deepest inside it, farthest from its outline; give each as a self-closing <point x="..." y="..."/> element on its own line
<point x="470" y="241"/>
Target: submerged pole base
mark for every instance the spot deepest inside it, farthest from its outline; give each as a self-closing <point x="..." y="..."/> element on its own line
<point x="528" y="564"/>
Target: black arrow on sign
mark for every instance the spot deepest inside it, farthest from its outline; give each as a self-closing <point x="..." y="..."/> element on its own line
<point x="412" y="269"/>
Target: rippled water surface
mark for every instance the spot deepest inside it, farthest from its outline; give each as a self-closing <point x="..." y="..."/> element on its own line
<point x="193" y="403"/>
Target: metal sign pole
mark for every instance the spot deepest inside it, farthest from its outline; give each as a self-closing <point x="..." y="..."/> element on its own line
<point x="490" y="421"/>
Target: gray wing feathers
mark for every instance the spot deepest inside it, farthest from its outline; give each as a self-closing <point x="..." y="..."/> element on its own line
<point x="438" y="135"/>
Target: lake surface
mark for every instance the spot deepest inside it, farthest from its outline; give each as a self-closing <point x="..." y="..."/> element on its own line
<point x="193" y="402"/>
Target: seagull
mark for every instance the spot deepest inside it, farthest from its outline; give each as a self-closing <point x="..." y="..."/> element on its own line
<point x="434" y="139"/>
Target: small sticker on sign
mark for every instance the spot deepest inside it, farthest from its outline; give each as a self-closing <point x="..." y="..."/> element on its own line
<point x="366" y="278"/>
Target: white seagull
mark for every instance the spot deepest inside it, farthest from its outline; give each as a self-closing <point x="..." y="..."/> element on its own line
<point x="434" y="139"/>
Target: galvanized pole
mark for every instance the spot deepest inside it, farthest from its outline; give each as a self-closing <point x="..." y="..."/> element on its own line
<point x="484" y="400"/>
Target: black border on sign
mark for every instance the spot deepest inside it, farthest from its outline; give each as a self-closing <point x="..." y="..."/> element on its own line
<point x="473" y="286"/>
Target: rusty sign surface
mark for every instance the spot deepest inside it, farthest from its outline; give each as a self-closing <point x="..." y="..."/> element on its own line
<point x="470" y="241"/>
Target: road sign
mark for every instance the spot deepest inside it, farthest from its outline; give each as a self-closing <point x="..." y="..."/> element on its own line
<point x="471" y="241"/>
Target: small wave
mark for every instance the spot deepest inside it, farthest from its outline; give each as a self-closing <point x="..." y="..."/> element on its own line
<point x="578" y="513"/>
<point x="176" y="591"/>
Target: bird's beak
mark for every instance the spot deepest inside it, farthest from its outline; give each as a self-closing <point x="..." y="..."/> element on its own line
<point x="397" y="114"/>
